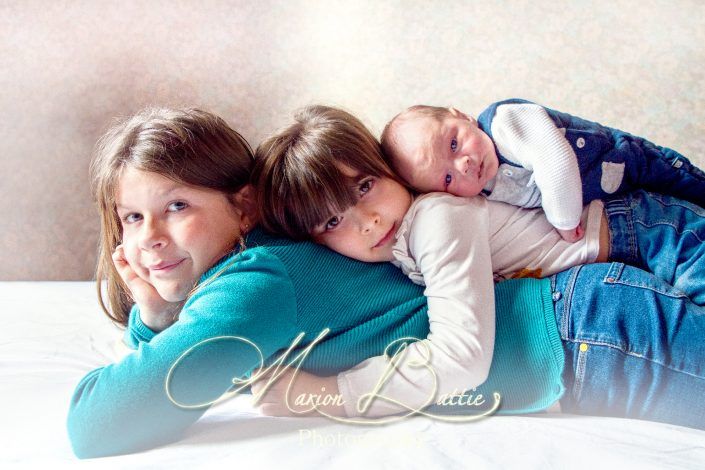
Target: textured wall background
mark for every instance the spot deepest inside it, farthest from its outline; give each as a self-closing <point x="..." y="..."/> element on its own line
<point x="68" y="68"/>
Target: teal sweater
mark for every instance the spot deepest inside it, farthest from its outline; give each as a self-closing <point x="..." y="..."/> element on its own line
<point x="269" y="294"/>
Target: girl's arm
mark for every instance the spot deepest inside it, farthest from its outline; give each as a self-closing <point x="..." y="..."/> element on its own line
<point x="526" y="134"/>
<point x="449" y="241"/>
<point x="124" y="407"/>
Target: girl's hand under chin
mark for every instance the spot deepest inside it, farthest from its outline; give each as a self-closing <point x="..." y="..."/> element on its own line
<point x="156" y="313"/>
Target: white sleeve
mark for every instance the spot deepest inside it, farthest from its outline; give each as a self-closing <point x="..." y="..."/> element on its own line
<point x="450" y="243"/>
<point x="526" y="134"/>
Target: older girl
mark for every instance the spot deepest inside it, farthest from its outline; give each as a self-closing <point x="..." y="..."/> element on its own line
<point x="176" y="216"/>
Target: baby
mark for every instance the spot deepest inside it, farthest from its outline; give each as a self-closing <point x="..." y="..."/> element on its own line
<point x="531" y="156"/>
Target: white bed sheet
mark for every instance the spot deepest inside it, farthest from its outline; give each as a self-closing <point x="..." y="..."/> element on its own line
<point x="53" y="333"/>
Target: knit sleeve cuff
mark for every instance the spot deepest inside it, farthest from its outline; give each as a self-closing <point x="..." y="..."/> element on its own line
<point x="137" y="332"/>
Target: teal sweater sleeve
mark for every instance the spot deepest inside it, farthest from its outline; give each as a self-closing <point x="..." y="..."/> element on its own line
<point x="137" y="332"/>
<point x="124" y="407"/>
<point x="274" y="291"/>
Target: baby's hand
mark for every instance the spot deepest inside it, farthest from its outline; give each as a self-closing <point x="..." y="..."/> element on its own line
<point x="572" y="235"/>
<point x="155" y="312"/>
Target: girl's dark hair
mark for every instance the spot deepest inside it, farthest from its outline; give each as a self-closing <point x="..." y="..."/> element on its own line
<point x="298" y="176"/>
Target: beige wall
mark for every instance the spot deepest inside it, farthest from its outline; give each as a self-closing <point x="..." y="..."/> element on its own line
<point x="69" y="67"/>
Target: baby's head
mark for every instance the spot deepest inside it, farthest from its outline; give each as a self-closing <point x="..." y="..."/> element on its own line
<point x="172" y="188"/>
<point x="323" y="178"/>
<point x="440" y="149"/>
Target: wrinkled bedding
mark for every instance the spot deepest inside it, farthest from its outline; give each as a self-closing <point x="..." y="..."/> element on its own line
<point x="53" y="333"/>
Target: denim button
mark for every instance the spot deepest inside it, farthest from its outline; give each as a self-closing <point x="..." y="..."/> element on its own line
<point x="556" y="296"/>
<point x="580" y="143"/>
<point x="678" y="163"/>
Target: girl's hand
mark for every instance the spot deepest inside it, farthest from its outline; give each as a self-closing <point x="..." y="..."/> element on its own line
<point x="155" y="312"/>
<point x="306" y="389"/>
<point x="572" y="235"/>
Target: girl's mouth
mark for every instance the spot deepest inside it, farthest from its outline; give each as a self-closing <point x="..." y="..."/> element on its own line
<point x="387" y="237"/>
<point x="165" y="266"/>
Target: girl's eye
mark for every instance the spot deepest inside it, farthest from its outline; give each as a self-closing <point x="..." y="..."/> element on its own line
<point x="366" y="185"/>
<point x="332" y="223"/>
<point x="132" y="218"/>
<point x="177" y="206"/>
<point x="449" y="178"/>
<point x="453" y="144"/>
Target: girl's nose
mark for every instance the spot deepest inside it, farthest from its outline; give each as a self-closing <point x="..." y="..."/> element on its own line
<point x="152" y="236"/>
<point x="368" y="222"/>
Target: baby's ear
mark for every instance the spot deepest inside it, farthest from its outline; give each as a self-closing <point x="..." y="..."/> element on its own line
<point x="459" y="114"/>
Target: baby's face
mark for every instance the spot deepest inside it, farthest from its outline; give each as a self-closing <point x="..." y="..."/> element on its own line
<point x="452" y="155"/>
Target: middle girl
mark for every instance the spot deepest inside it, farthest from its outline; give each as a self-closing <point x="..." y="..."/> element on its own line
<point x="324" y="178"/>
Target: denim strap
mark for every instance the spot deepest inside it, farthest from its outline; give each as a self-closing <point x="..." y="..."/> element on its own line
<point x="623" y="240"/>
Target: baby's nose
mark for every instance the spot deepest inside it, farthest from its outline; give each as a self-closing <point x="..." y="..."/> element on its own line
<point x="462" y="165"/>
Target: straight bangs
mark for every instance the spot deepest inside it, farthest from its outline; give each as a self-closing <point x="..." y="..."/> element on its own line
<point x="316" y="186"/>
<point x="311" y="170"/>
<point x="314" y="194"/>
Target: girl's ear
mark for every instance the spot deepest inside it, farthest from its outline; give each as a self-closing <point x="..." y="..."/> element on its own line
<point x="246" y="204"/>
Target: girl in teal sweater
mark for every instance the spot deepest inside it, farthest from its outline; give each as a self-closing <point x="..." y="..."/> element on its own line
<point x="179" y="247"/>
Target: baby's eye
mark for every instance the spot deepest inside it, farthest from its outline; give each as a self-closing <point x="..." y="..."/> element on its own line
<point x="453" y="144"/>
<point x="332" y="223"/>
<point x="449" y="178"/>
<point x="366" y="185"/>
<point x="132" y="218"/>
<point x="177" y="206"/>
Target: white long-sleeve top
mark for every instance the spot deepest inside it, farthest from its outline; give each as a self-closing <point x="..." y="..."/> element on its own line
<point x="550" y="176"/>
<point x="453" y="246"/>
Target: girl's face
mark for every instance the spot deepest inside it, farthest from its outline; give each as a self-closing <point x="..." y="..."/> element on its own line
<point x="366" y="230"/>
<point x="173" y="233"/>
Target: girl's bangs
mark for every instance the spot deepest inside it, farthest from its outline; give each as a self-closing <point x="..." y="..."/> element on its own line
<point x="316" y="195"/>
<point x="322" y="187"/>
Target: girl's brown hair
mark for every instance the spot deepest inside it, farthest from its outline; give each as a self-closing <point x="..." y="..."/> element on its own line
<point x="298" y="176"/>
<point x="189" y="146"/>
